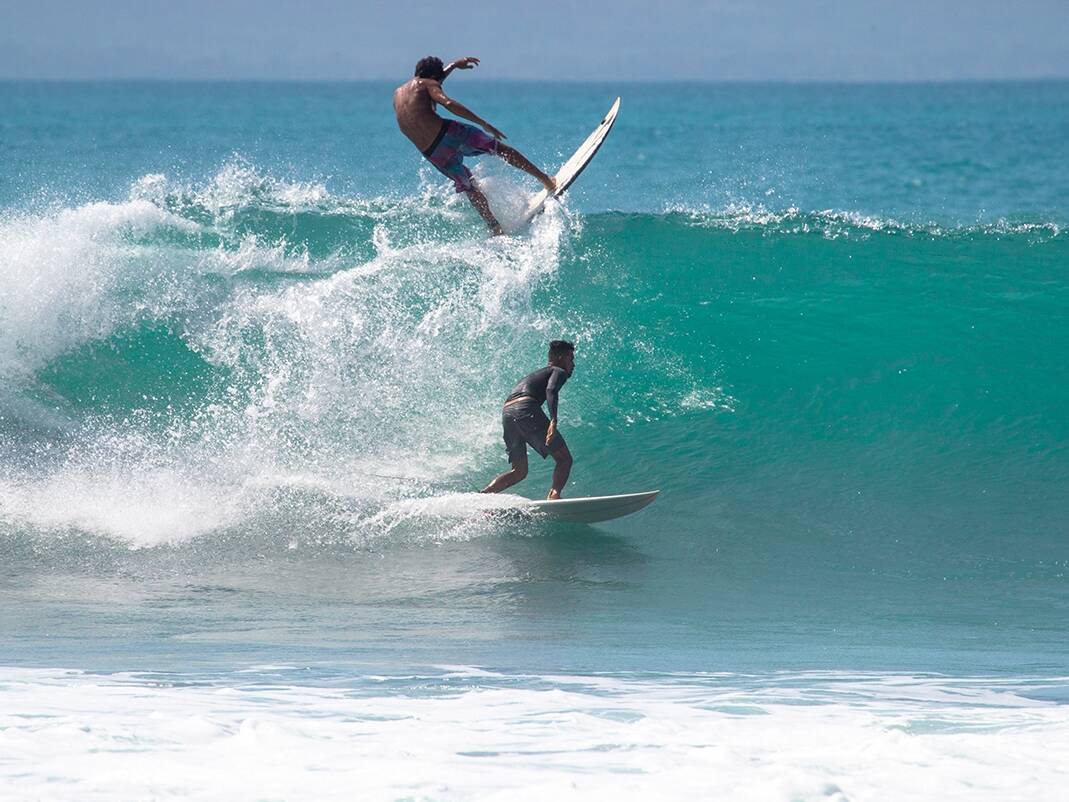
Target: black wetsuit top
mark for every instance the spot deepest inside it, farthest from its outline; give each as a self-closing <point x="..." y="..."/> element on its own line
<point x="543" y="386"/>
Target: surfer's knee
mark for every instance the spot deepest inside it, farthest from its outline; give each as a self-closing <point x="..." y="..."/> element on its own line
<point x="519" y="470"/>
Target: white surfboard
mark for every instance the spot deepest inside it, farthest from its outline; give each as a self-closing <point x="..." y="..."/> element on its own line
<point x="593" y="508"/>
<point x="575" y="165"/>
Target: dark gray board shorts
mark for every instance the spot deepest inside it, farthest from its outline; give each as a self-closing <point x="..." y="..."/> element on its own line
<point x="526" y="424"/>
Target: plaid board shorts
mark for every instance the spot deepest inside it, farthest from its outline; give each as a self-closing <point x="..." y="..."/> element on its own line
<point x="454" y="142"/>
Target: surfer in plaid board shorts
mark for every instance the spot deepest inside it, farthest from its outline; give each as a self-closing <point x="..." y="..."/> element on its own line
<point x="445" y="143"/>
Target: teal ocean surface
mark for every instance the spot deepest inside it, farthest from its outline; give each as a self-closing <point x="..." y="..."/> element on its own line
<point x="252" y="354"/>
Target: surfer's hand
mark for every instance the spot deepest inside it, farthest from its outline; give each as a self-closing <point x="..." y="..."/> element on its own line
<point x="465" y="63"/>
<point x="550" y="432"/>
<point x="494" y="132"/>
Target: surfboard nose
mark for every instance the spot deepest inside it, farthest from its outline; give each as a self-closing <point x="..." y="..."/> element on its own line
<point x="575" y="165"/>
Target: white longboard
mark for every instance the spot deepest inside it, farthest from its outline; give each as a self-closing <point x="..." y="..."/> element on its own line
<point x="575" y="165"/>
<point x="592" y="509"/>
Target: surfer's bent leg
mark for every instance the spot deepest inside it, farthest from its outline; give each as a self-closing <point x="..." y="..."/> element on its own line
<point x="517" y="159"/>
<point x="447" y="152"/>
<point x="473" y="142"/>
<point x="509" y="478"/>
<point x="561" y="471"/>
<point x="482" y="206"/>
<point x="515" y="450"/>
<point x="454" y="142"/>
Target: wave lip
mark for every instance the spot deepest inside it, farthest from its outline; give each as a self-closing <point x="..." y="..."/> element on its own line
<point x="835" y="223"/>
<point x="74" y="276"/>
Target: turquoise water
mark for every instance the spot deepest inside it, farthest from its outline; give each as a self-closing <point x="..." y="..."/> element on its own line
<point x="252" y="352"/>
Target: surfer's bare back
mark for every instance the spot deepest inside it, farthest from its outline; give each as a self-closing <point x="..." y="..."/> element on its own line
<point x="445" y="143"/>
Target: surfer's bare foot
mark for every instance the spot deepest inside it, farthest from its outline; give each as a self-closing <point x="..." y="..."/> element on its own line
<point x="550" y="183"/>
<point x="553" y="494"/>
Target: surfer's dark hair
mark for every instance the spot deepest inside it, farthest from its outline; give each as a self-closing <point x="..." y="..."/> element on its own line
<point x="559" y="348"/>
<point x="430" y="67"/>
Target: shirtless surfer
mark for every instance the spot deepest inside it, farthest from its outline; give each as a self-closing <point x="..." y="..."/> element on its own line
<point x="445" y="143"/>
<point x="526" y="424"/>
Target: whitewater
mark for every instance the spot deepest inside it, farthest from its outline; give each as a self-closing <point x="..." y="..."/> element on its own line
<point x="252" y="355"/>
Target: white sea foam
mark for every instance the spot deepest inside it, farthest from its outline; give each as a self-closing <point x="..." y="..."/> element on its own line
<point x="470" y="734"/>
<point x="237" y="185"/>
<point x="378" y="358"/>
<point x="453" y="516"/>
<point x="327" y="376"/>
<point x="77" y="275"/>
<point x="64" y="276"/>
<point x="831" y="223"/>
<point x="837" y="223"/>
<point x="135" y="501"/>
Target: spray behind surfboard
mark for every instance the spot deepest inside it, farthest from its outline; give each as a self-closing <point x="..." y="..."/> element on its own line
<point x="260" y="353"/>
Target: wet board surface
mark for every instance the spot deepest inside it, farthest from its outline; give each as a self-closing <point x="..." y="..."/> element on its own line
<point x="592" y="509"/>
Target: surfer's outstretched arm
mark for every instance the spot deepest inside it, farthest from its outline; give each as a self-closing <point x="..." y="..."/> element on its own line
<point x="438" y="95"/>
<point x="466" y="63"/>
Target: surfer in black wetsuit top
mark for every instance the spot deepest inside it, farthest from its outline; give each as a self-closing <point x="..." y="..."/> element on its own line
<point x="525" y="423"/>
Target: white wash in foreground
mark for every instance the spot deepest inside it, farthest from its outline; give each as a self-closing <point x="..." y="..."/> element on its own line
<point x="65" y="735"/>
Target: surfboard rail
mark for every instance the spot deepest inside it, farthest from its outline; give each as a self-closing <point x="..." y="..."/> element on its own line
<point x="592" y="509"/>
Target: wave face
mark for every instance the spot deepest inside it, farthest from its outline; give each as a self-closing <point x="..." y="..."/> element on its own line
<point x="856" y="415"/>
<point x="192" y="360"/>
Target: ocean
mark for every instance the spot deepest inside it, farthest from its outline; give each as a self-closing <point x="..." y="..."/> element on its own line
<point x="253" y="351"/>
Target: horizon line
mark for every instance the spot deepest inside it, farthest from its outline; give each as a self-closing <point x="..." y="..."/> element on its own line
<point x="575" y="81"/>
